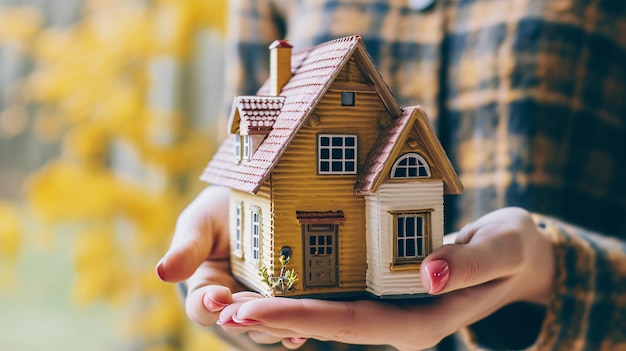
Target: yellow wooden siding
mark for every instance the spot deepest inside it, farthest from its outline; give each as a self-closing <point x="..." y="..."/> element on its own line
<point x="242" y="266"/>
<point x="297" y="187"/>
<point x="352" y="73"/>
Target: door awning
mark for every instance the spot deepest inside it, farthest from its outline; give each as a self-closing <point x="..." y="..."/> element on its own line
<point x="320" y="217"/>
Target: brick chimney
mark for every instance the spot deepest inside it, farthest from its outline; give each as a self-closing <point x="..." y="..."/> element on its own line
<point x="280" y="65"/>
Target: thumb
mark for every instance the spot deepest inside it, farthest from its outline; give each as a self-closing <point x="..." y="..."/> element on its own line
<point x="201" y="234"/>
<point x="495" y="254"/>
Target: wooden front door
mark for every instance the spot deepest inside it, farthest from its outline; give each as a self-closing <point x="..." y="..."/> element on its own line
<point x="320" y="254"/>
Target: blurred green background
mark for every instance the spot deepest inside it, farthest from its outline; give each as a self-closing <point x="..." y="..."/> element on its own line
<point x="108" y="113"/>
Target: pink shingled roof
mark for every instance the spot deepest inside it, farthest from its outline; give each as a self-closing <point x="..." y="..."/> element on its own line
<point x="381" y="151"/>
<point x="256" y="113"/>
<point x="313" y="72"/>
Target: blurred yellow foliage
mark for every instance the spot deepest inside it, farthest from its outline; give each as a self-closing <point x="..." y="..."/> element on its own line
<point x="10" y="232"/>
<point x="10" y="239"/>
<point x="91" y="86"/>
<point x="18" y="25"/>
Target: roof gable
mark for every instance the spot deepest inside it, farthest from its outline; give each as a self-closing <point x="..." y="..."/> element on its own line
<point x="387" y="148"/>
<point x="314" y="71"/>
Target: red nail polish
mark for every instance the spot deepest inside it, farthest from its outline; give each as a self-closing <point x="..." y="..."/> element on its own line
<point x="439" y="274"/>
<point x="159" y="270"/>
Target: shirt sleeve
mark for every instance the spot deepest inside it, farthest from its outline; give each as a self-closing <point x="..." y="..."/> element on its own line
<point x="587" y="310"/>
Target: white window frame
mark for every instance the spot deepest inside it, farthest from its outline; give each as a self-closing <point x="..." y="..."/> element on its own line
<point x="255" y="234"/>
<point x="237" y="147"/>
<point x="238" y="249"/>
<point x="421" y="164"/>
<point x="343" y="149"/>
<point x="247" y="147"/>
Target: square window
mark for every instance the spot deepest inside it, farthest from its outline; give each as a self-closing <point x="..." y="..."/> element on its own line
<point x="347" y="98"/>
<point x="337" y="154"/>
<point x="411" y="233"/>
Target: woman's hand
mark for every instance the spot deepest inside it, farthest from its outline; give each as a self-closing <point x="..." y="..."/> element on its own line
<point x="499" y="259"/>
<point x="200" y="254"/>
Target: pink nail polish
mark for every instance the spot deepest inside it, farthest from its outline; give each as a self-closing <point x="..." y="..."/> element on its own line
<point x="245" y="322"/>
<point x="228" y="323"/>
<point x="212" y="305"/>
<point x="439" y="274"/>
<point x="298" y="340"/>
<point x="237" y="323"/>
<point x="159" y="270"/>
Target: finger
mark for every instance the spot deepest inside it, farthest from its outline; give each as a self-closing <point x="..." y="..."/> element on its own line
<point x="294" y="343"/>
<point x="201" y="233"/>
<point x="375" y="323"/>
<point x="495" y="252"/>
<point x="362" y="322"/>
<point x="263" y="338"/>
<point x="227" y="318"/>
<point x="203" y="305"/>
<point x="213" y="273"/>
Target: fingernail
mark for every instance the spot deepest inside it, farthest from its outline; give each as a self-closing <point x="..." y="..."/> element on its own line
<point x="245" y="322"/>
<point x="298" y="340"/>
<point x="212" y="305"/>
<point x="439" y="274"/>
<point x="233" y="322"/>
<point x="228" y="323"/>
<point x="159" y="270"/>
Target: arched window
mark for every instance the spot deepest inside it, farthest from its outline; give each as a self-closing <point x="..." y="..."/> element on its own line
<point x="410" y="165"/>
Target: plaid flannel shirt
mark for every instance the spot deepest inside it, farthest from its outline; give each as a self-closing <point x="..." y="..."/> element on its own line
<point x="529" y="100"/>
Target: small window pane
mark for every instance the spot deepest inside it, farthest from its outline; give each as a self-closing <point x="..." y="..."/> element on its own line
<point x="400" y="248"/>
<point x="312" y="240"/>
<point x="329" y="239"/>
<point x="337" y="141"/>
<point x="337" y="166"/>
<point x="324" y="166"/>
<point x="321" y="240"/>
<point x="347" y="99"/>
<point x="400" y="173"/>
<point x="325" y="141"/>
<point x="410" y="247"/>
<point x="337" y="154"/>
<point x="325" y="154"/>
<point x="410" y="226"/>
<point x="320" y="250"/>
<point x="349" y="166"/>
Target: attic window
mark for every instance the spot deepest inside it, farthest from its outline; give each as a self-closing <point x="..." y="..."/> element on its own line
<point x="237" y="137"/>
<point x="243" y="147"/>
<point x="410" y="165"/>
<point x="348" y="98"/>
<point x="247" y="147"/>
<point x="337" y="154"/>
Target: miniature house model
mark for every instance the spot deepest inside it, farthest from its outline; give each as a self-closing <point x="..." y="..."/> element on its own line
<point x="325" y="169"/>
